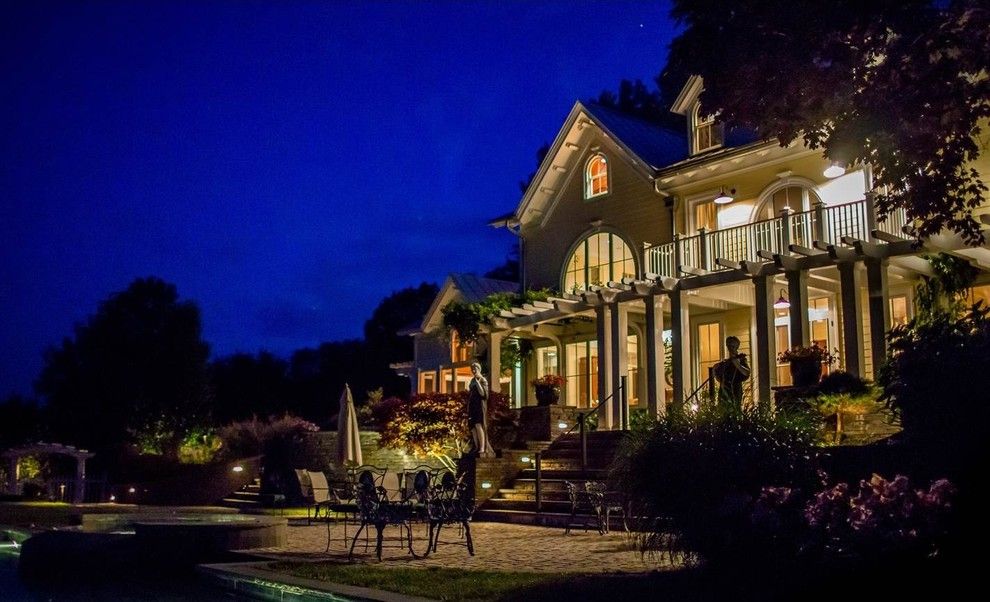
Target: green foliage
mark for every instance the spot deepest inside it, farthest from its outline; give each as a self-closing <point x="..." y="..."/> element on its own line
<point x="901" y="86"/>
<point x="29" y="467"/>
<point x="135" y="372"/>
<point x="467" y="319"/>
<point x="943" y="294"/>
<point x="840" y="381"/>
<point x="936" y="379"/>
<point x="278" y="439"/>
<point x="200" y="446"/>
<point x="703" y="470"/>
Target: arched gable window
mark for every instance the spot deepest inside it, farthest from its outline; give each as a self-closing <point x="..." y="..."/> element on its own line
<point x="598" y="259"/>
<point x="793" y="196"/>
<point x="596" y="176"/>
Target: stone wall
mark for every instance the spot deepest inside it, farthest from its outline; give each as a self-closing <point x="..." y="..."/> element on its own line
<point x="319" y="452"/>
<point x="542" y="423"/>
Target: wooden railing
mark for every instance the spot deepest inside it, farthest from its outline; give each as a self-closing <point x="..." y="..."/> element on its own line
<point x="775" y="235"/>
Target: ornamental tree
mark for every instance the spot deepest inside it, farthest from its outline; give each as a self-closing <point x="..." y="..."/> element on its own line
<point x="901" y="85"/>
<point x="435" y="424"/>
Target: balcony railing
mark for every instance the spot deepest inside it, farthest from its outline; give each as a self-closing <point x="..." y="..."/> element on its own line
<point x="743" y="243"/>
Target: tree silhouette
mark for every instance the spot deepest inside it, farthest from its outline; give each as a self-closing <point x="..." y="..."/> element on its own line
<point x="900" y="85"/>
<point x="135" y="372"/>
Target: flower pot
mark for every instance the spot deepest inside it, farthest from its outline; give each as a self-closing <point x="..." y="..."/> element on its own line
<point x="806" y="372"/>
<point x="546" y="396"/>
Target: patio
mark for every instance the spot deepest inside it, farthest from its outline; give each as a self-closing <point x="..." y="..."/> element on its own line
<point x="498" y="547"/>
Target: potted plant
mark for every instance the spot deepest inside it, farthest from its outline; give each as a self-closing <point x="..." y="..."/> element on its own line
<point x="548" y="389"/>
<point x="806" y="363"/>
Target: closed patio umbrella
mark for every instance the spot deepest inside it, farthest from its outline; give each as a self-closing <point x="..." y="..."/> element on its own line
<point x="348" y="437"/>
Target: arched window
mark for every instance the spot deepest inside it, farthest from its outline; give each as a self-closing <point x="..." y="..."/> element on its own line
<point x="596" y="177"/>
<point x="597" y="260"/>
<point x="795" y="198"/>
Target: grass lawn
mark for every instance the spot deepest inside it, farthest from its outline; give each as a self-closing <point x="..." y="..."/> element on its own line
<point x="432" y="582"/>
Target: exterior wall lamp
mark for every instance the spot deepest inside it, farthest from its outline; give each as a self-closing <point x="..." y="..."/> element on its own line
<point x="724" y="197"/>
<point x="834" y="169"/>
<point x="781" y="302"/>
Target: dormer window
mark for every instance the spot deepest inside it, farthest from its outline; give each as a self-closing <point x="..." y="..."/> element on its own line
<point x="596" y="177"/>
<point x="707" y="133"/>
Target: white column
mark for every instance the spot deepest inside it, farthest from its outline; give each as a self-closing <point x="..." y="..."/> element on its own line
<point x="495" y="361"/>
<point x="619" y="326"/>
<point x="766" y="341"/>
<point x="656" y="384"/>
<point x="602" y="320"/>
<point x="680" y="317"/>
<point x="852" y="334"/>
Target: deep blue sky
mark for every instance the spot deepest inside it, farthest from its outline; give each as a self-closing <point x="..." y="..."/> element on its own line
<point x="285" y="164"/>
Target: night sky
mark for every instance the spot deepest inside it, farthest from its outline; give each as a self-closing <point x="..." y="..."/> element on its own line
<point x="285" y="164"/>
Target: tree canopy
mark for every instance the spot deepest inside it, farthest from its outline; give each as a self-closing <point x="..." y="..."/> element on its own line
<point x="901" y="85"/>
<point x="135" y="371"/>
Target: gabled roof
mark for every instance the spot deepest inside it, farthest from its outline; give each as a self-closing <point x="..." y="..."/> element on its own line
<point x="649" y="147"/>
<point x="470" y="288"/>
<point x="654" y="145"/>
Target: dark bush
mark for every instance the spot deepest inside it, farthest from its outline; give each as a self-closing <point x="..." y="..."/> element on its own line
<point x="841" y="382"/>
<point x="703" y="471"/>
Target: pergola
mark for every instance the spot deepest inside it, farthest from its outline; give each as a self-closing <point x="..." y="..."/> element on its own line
<point x="13" y="456"/>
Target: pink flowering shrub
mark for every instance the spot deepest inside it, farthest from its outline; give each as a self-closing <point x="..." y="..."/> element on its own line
<point x="880" y="517"/>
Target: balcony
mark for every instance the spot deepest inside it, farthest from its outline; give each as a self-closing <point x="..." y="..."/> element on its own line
<point x="757" y="241"/>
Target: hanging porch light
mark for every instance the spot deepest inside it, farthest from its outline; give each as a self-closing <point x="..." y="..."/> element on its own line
<point x="834" y="169"/>
<point x="781" y="302"/>
<point x="724" y="197"/>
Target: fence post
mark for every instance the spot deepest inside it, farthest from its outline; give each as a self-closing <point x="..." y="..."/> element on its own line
<point x="785" y="231"/>
<point x="676" y="271"/>
<point x="819" y="230"/>
<point x="582" y="418"/>
<point x="539" y="478"/>
<point x="703" y="249"/>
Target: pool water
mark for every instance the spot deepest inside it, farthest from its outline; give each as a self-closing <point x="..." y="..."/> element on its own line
<point x="119" y="587"/>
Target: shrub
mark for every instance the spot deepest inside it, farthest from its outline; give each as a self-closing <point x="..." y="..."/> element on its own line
<point x="936" y="381"/>
<point x="704" y="470"/>
<point x="435" y="424"/>
<point x="842" y="382"/>
<point x="276" y="439"/>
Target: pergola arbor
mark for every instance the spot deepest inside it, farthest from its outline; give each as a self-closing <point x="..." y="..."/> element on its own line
<point x="14" y="455"/>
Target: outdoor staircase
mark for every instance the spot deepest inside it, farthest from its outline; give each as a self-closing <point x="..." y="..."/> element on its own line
<point x="246" y="498"/>
<point x="561" y="461"/>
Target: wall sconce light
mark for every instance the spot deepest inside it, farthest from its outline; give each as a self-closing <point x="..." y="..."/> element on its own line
<point x="524" y="459"/>
<point x="781" y="302"/>
<point x="724" y="197"/>
<point x="561" y="425"/>
<point x="834" y="169"/>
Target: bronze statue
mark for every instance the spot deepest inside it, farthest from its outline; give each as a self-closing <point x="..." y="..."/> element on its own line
<point x="478" y="412"/>
<point x="731" y="372"/>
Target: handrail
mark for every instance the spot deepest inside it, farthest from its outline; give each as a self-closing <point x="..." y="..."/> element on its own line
<point x="580" y="424"/>
<point x="827" y="224"/>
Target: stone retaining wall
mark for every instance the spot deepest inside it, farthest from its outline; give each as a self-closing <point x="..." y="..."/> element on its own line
<point x="319" y="452"/>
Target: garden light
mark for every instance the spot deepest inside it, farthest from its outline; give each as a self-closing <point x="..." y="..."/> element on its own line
<point x="562" y="425"/>
<point x="238" y="469"/>
<point x="486" y="484"/>
<point x="524" y="459"/>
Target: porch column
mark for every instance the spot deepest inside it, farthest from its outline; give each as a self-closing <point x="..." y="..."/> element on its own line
<point x="620" y="361"/>
<point x="495" y="361"/>
<point x="656" y="385"/>
<point x="602" y="322"/>
<point x="680" y="318"/>
<point x="766" y="341"/>
<point x="80" y="490"/>
<point x="879" y="307"/>
<point x="852" y="334"/>
<point x="797" y="294"/>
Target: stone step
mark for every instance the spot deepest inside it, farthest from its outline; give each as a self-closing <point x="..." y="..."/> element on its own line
<point x="591" y="474"/>
<point x="530" y="496"/>
<point x="545" y="519"/>
<point x="232" y="502"/>
<point x="548" y="505"/>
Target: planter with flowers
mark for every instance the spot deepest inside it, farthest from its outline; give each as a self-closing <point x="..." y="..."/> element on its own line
<point x="806" y="364"/>
<point x="548" y="389"/>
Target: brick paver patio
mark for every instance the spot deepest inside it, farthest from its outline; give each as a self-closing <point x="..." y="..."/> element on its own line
<point x="498" y="547"/>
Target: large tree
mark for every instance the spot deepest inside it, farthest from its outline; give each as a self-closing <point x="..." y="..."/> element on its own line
<point x="901" y="85"/>
<point x="134" y="372"/>
<point x="244" y="385"/>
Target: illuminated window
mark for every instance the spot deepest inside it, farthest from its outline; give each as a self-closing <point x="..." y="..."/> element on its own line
<point x="428" y="382"/>
<point x="708" y="133"/>
<point x="979" y="293"/>
<point x="899" y="310"/>
<point x="632" y="363"/>
<point x="794" y="198"/>
<point x="547" y="361"/>
<point x="459" y="352"/>
<point x="706" y="216"/>
<point x="581" y="388"/>
<point x="709" y="348"/>
<point x="596" y="177"/>
<point x="600" y="258"/>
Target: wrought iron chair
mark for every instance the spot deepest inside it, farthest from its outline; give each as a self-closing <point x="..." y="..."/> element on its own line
<point x="451" y="502"/>
<point x="606" y="503"/>
<point x="581" y="504"/>
<point x="375" y="509"/>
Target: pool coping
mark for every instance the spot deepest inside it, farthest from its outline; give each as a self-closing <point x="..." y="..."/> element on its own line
<point x="268" y="584"/>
